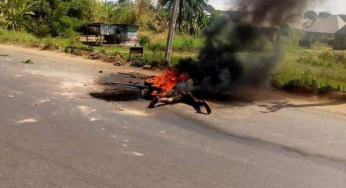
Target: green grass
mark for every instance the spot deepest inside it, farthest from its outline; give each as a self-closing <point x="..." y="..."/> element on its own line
<point x="182" y="43"/>
<point x="149" y="53"/>
<point x="27" y="39"/>
<point x="17" y="37"/>
<point x="325" y="73"/>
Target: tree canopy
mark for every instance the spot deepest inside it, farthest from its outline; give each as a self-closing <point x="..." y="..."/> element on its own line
<point x="63" y="17"/>
<point x="324" y="14"/>
<point x="310" y="14"/>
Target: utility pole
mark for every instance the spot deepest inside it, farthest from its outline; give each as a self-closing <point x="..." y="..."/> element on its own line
<point x="171" y="33"/>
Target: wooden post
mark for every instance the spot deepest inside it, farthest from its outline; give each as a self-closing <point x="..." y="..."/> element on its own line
<point x="87" y="34"/>
<point x="171" y="33"/>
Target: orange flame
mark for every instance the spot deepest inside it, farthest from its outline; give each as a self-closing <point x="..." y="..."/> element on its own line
<point x="167" y="81"/>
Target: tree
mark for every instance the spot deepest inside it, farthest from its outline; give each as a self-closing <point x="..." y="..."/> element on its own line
<point x="324" y="14"/>
<point x="312" y="15"/>
<point x="123" y="13"/>
<point x="17" y="13"/>
<point x="189" y="11"/>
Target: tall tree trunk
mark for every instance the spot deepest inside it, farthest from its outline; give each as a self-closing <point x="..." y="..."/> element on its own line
<point x="180" y="14"/>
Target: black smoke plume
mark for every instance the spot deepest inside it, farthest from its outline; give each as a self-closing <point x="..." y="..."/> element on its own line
<point x="236" y="52"/>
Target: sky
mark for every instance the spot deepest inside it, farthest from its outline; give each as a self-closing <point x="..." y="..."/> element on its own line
<point x="333" y="6"/>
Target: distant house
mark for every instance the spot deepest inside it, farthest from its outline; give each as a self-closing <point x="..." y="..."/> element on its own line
<point x="323" y="29"/>
<point x="340" y="39"/>
<point x="127" y="34"/>
<point x="101" y="33"/>
<point x="310" y="23"/>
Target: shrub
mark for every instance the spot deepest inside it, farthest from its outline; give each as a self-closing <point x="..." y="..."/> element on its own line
<point x="325" y="89"/>
<point x="156" y="47"/>
<point x="49" y="44"/>
<point x="42" y="30"/>
<point x="75" y="49"/>
<point x="292" y="85"/>
<point x="144" y="40"/>
<point x="340" y="58"/>
<point x="326" y="56"/>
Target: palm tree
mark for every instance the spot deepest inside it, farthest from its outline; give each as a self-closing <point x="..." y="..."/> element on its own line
<point x="188" y="10"/>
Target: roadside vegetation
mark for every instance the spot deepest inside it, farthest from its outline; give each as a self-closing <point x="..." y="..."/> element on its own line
<point x="53" y="25"/>
<point x="311" y="71"/>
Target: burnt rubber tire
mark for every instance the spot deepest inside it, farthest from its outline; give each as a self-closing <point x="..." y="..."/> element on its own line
<point x="118" y="94"/>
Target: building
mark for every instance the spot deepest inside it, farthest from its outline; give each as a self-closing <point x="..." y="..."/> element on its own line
<point x="100" y="33"/>
<point x="127" y="34"/>
<point x="340" y="39"/>
<point x="310" y="23"/>
<point x="324" y="29"/>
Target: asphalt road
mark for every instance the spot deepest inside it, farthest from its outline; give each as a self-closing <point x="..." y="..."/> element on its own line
<point x="53" y="134"/>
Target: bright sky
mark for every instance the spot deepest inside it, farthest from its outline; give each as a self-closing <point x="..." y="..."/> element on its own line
<point x="333" y="6"/>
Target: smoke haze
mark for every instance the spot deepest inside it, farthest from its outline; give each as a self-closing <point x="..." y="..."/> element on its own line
<point x="236" y="53"/>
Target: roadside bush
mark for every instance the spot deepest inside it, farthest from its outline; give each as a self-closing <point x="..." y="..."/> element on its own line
<point x="292" y="85"/>
<point x="326" y="88"/>
<point x="340" y="58"/>
<point x="50" y="45"/>
<point x="40" y="28"/>
<point x="74" y="49"/>
<point x="326" y="56"/>
<point x="156" y="47"/>
<point x="144" y="41"/>
<point x="310" y="87"/>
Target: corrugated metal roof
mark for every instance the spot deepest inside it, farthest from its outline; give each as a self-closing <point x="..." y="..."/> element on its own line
<point x="330" y="25"/>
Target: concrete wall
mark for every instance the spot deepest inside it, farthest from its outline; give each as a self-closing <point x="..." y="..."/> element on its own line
<point x="340" y="42"/>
